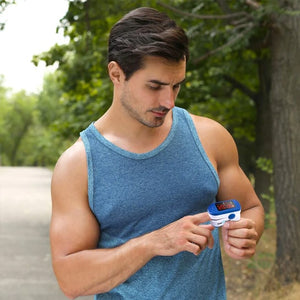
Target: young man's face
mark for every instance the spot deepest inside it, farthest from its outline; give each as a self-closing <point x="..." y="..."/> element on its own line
<point x="150" y="93"/>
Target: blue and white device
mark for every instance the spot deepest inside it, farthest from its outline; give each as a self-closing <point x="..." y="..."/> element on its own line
<point x="223" y="211"/>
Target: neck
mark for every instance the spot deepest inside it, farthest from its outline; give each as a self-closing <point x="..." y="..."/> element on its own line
<point x="129" y="134"/>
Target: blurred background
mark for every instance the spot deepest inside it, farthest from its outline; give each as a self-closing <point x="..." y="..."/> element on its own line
<point x="243" y="72"/>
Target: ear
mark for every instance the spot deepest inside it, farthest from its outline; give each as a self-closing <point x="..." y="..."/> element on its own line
<point x="115" y="72"/>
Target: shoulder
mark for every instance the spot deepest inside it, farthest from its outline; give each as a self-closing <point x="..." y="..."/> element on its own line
<point x="74" y="157"/>
<point x="204" y="124"/>
<point x="70" y="172"/>
<point x="216" y="140"/>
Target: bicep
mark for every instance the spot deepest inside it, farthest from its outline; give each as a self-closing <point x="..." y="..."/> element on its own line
<point x="72" y="232"/>
<point x="73" y="226"/>
<point x="234" y="184"/>
<point x="222" y="152"/>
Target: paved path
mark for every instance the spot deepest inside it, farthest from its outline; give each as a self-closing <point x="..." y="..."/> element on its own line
<point x="25" y="262"/>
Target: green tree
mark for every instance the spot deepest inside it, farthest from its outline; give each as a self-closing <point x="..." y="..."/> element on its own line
<point x="82" y="63"/>
<point x="230" y="69"/>
<point x="211" y="83"/>
<point x="28" y="134"/>
<point x="262" y="65"/>
<point x="16" y="120"/>
<point x="3" y="111"/>
<point x="285" y="106"/>
<point x="49" y="100"/>
<point x="235" y="51"/>
<point x="47" y="143"/>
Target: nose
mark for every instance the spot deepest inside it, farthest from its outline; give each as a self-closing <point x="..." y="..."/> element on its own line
<point x="168" y="98"/>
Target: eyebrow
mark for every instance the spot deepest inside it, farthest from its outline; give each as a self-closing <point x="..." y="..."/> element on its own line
<point x="165" y="83"/>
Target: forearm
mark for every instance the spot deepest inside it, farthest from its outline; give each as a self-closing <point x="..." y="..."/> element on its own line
<point x="99" y="270"/>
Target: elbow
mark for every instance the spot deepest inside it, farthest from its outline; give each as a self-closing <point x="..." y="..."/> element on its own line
<point x="70" y="296"/>
<point x="72" y="292"/>
<point x="72" y="289"/>
<point x="74" y="284"/>
<point x="67" y="285"/>
<point x="69" y="292"/>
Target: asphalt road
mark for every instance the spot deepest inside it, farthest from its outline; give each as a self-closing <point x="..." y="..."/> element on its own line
<point x="25" y="261"/>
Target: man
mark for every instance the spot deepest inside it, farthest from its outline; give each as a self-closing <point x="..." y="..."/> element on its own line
<point x="130" y="196"/>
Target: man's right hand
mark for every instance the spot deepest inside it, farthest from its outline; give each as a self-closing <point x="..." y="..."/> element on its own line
<point x="186" y="234"/>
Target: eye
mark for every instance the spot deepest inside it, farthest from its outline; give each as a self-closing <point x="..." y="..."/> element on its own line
<point x="176" y="87"/>
<point x="154" y="87"/>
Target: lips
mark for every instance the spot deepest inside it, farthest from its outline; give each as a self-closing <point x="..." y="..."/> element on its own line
<point x="160" y="113"/>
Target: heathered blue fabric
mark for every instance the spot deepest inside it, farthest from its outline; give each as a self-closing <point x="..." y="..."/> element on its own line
<point x="132" y="194"/>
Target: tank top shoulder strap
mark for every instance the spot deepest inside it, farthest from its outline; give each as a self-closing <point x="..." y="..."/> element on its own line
<point x="182" y="113"/>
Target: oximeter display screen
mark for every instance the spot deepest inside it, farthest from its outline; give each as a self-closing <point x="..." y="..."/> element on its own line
<point x="225" y="205"/>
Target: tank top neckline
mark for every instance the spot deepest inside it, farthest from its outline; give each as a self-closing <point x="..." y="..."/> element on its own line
<point x="134" y="155"/>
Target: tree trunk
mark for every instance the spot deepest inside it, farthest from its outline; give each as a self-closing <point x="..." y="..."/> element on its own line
<point x="263" y="132"/>
<point x="285" y="107"/>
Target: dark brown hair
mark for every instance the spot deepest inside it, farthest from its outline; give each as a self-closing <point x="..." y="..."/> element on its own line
<point x="145" y="32"/>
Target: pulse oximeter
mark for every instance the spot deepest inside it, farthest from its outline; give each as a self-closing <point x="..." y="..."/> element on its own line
<point x="223" y="211"/>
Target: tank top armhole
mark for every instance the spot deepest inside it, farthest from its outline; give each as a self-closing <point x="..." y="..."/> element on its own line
<point x="90" y="169"/>
<point x="200" y="147"/>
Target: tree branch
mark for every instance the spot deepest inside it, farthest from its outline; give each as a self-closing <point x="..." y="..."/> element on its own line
<point x="253" y="4"/>
<point x="244" y="89"/>
<point x="229" y="43"/>
<point x="204" y="17"/>
<point x="224" y="6"/>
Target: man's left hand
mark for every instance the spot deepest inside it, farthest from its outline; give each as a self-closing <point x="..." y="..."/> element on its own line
<point x="240" y="238"/>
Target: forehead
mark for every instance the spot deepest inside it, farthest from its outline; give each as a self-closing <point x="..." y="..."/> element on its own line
<point x="159" y="68"/>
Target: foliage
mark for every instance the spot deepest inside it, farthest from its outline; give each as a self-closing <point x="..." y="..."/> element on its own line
<point x="82" y="63"/>
<point x="266" y="165"/>
<point x="227" y="40"/>
<point x="233" y="65"/>
<point x="229" y="45"/>
<point x="3" y="6"/>
<point x="26" y="133"/>
<point x="16" y="118"/>
<point x="229" y="49"/>
<point x="88" y="91"/>
<point x="49" y="100"/>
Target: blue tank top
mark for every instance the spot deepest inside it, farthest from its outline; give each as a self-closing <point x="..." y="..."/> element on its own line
<point x="132" y="194"/>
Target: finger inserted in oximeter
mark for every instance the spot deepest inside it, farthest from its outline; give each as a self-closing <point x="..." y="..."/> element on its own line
<point x="223" y="211"/>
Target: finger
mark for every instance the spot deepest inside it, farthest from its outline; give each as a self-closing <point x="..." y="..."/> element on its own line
<point x="210" y="242"/>
<point x="238" y="253"/>
<point x="243" y="233"/>
<point x="202" y="236"/>
<point x="200" y="218"/>
<point x="194" y="248"/>
<point x="242" y="223"/>
<point x="241" y="243"/>
<point x="208" y="226"/>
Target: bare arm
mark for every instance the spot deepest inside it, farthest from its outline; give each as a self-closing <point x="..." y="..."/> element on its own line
<point x="80" y="268"/>
<point x="240" y="238"/>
